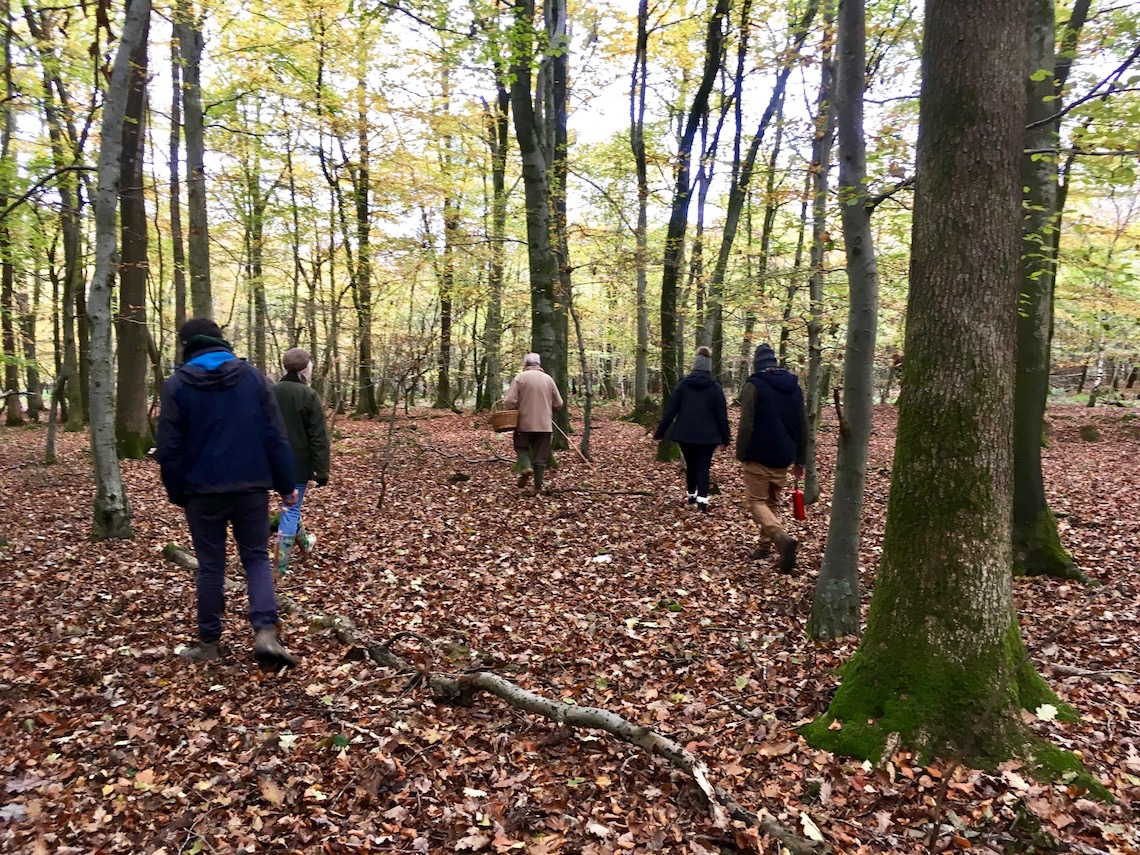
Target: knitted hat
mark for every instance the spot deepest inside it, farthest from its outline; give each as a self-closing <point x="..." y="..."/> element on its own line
<point x="764" y="358"/>
<point x="199" y="334"/>
<point x="296" y="359"/>
<point x="532" y="359"/>
<point x="703" y="360"/>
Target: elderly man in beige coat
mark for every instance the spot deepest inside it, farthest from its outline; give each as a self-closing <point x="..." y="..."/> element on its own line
<point x="534" y="394"/>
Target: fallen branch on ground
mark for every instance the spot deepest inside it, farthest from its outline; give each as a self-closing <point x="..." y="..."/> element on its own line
<point x="1104" y="676"/>
<point x="462" y="689"/>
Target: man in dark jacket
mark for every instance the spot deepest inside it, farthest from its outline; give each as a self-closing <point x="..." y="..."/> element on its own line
<point x="222" y="447"/>
<point x="304" y="417"/>
<point x="771" y="437"/>
<point x="696" y="418"/>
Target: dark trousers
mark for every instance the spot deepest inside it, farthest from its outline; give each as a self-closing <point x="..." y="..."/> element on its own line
<point x="208" y="517"/>
<point x="698" y="460"/>
<point x="536" y="443"/>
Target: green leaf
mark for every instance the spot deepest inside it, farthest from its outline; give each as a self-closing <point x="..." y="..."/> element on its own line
<point x="741" y="682"/>
<point x="340" y="740"/>
<point x="1040" y="74"/>
<point x="574" y="782"/>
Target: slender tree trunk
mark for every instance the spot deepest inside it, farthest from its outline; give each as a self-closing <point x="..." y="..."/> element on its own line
<point x="112" y="511"/>
<point x="70" y="200"/>
<point x="366" y="403"/>
<point x="941" y="669"/>
<point x="176" y="237"/>
<point x="641" y="257"/>
<point x="835" y="605"/>
<point x="132" y="427"/>
<point x="556" y="91"/>
<point x="14" y="414"/>
<point x="739" y="190"/>
<point x="188" y="30"/>
<point x="679" y="210"/>
<point x="498" y="138"/>
<point x="1037" y="548"/>
<point x="28" y="334"/>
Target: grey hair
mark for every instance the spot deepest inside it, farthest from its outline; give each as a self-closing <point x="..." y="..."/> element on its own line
<point x="532" y="359"/>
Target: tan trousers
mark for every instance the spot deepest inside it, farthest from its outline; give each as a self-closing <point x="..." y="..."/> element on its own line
<point x="762" y="487"/>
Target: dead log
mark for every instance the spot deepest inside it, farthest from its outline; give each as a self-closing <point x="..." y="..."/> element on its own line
<point x="462" y="689"/>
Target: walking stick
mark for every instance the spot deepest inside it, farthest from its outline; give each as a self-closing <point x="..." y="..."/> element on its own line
<point x="585" y="459"/>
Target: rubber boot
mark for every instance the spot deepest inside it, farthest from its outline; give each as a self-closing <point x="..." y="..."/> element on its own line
<point x="538" y="472"/>
<point x="284" y="552"/>
<point x="269" y="652"/>
<point x="786" y="546"/>
<point x="524" y="466"/>
<point x="305" y="542"/>
<point x="203" y="651"/>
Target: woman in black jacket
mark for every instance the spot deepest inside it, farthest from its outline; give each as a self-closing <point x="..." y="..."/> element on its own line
<point x="698" y="415"/>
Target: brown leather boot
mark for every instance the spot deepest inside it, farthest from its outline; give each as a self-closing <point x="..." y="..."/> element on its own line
<point x="269" y="652"/>
<point x="786" y="546"/>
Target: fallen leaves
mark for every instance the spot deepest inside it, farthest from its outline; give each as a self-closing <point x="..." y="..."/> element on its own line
<point x="629" y="602"/>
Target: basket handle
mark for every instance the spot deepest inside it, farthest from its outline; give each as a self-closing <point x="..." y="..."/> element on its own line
<point x="497" y="407"/>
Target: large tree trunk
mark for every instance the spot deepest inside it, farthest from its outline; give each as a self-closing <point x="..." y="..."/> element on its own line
<point x="679" y="211"/>
<point x="941" y="668"/>
<point x="132" y="427"/>
<point x="543" y="262"/>
<point x="1037" y="548"/>
<point x="835" y="605"/>
<point x="188" y="30"/>
<point x="112" y="510"/>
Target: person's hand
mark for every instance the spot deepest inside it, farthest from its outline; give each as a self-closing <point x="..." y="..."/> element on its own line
<point x="321" y="482"/>
<point x="290" y="499"/>
<point x="797" y="472"/>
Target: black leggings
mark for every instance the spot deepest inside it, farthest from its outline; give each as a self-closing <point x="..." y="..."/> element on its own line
<point x="698" y="459"/>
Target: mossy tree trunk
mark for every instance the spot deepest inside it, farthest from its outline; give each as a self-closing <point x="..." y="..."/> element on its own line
<point x="941" y="668"/>
<point x="1037" y="549"/>
<point x="835" y="604"/>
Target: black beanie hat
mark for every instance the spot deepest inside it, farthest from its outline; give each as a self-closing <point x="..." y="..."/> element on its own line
<point x="199" y="334"/>
<point x="764" y="358"/>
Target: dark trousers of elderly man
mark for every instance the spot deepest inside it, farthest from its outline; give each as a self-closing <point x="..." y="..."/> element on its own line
<point x="532" y="448"/>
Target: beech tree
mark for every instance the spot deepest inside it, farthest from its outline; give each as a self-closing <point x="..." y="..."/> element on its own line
<point x="132" y="428"/>
<point x="941" y="668"/>
<point x="1037" y="545"/>
<point x="835" y="605"/>
<point x="112" y="511"/>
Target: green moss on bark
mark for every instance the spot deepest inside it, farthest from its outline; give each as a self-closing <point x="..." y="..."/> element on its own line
<point x="1037" y="550"/>
<point x="133" y="446"/>
<point x="939" y="708"/>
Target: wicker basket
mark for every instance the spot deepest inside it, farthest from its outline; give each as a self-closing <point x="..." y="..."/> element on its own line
<point x="503" y="421"/>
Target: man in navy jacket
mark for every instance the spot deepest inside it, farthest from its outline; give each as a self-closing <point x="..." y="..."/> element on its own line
<point x="771" y="437"/>
<point x="222" y="446"/>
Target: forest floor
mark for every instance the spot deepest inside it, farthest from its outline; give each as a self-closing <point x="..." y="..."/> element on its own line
<point x="609" y="591"/>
